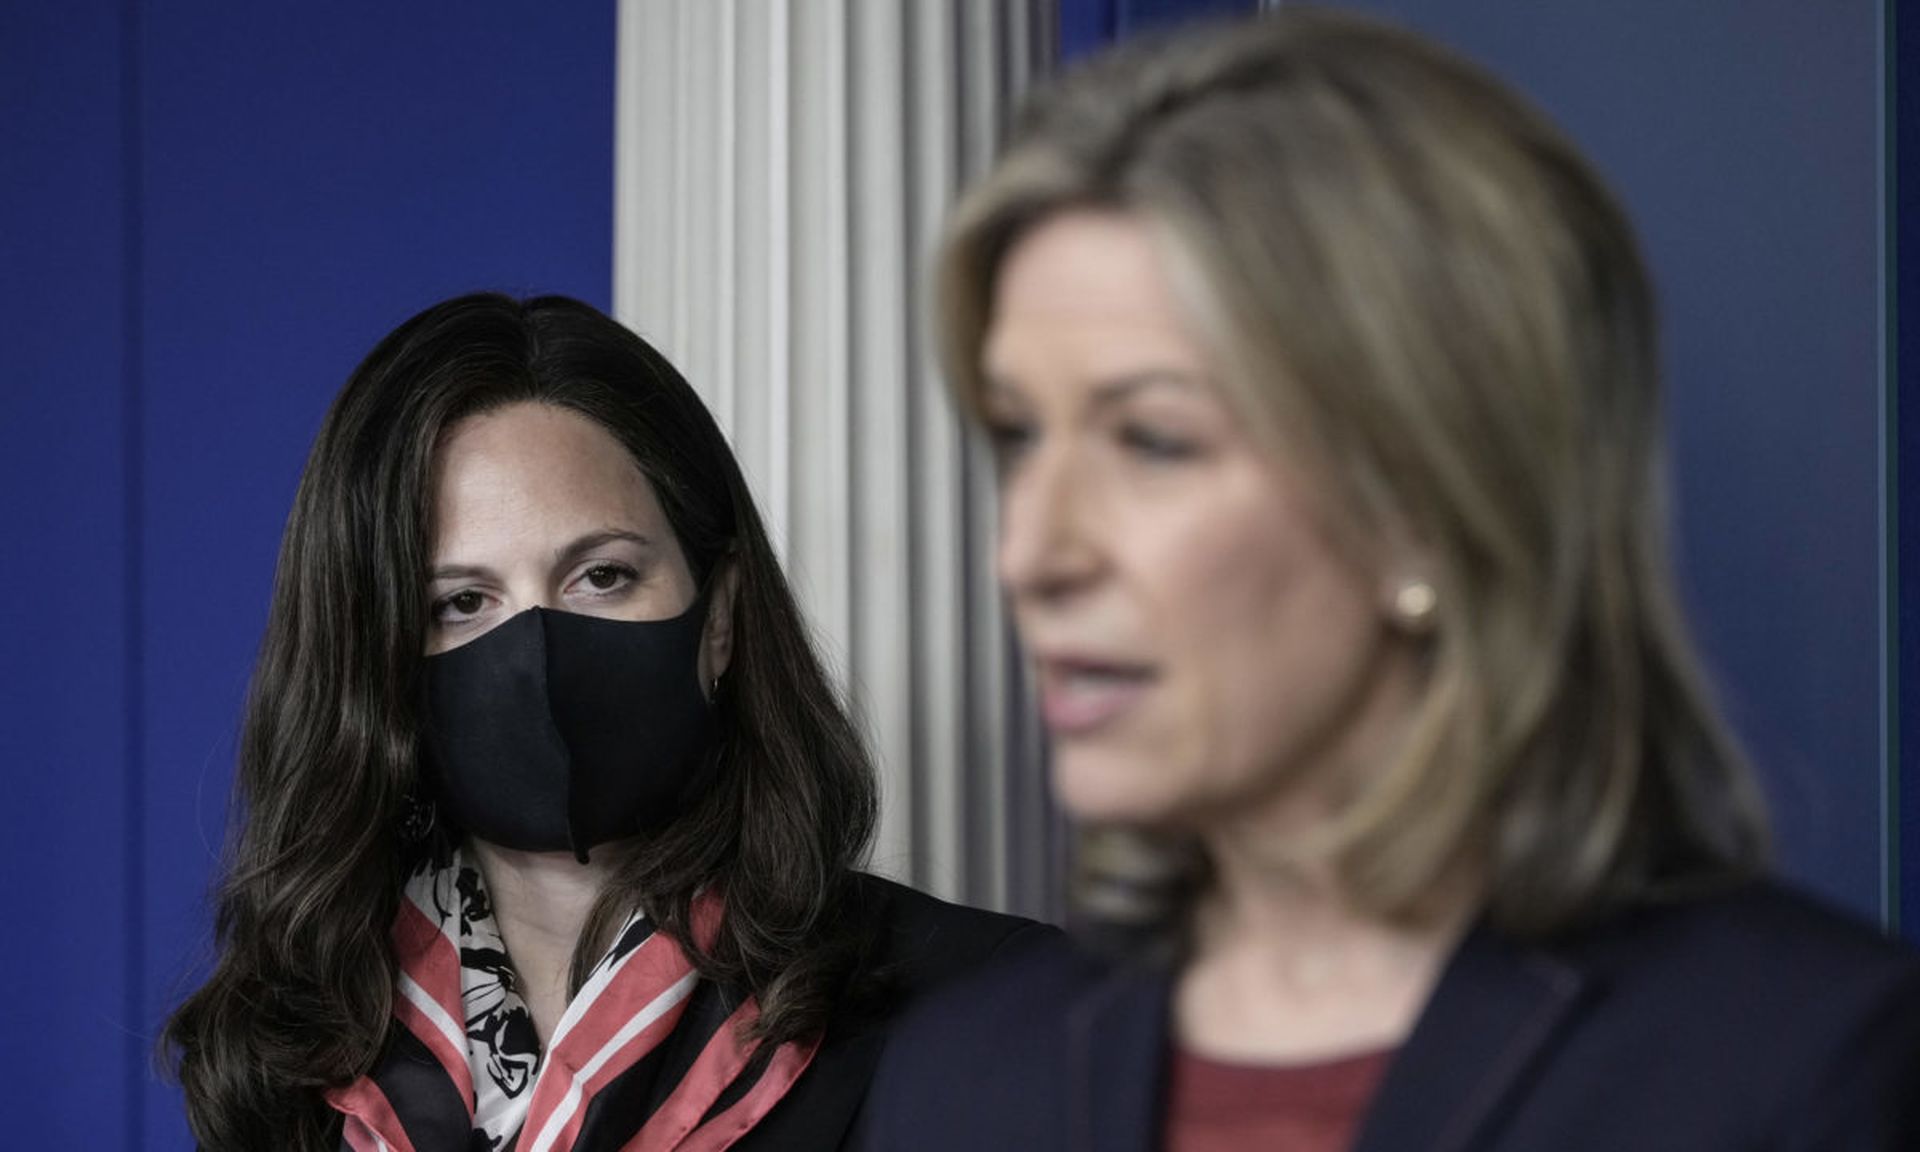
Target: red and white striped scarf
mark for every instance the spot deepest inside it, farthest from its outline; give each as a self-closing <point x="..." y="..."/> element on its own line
<point x="462" y="1067"/>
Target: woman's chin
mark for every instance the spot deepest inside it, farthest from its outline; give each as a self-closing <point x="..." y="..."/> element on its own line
<point x="1109" y="790"/>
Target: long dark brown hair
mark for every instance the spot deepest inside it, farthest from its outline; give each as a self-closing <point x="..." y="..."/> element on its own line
<point x="302" y="991"/>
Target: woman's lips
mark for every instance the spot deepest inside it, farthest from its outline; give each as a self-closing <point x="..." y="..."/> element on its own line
<point x="1080" y="696"/>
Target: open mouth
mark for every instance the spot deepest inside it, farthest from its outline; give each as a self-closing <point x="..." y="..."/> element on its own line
<point x="1078" y="696"/>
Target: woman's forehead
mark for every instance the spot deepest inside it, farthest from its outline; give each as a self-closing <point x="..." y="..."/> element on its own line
<point x="533" y="470"/>
<point x="1084" y="296"/>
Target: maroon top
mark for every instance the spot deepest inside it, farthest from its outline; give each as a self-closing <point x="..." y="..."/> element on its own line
<point x="1218" y="1107"/>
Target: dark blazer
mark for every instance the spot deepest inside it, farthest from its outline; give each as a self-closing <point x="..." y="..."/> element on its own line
<point x="923" y="944"/>
<point x="1755" y="1020"/>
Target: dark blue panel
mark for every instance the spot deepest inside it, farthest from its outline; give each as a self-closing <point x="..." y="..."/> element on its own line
<point x="1743" y="138"/>
<point x="1903" y="73"/>
<point x="1086" y="26"/>
<point x="314" y="174"/>
<point x="1136" y="16"/>
<point x="66" y="1027"/>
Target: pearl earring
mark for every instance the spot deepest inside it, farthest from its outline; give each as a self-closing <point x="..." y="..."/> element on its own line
<point x="1413" y="605"/>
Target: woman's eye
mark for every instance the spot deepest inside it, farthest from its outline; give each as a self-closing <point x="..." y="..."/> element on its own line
<point x="607" y="577"/>
<point x="1157" y="445"/>
<point x="1009" y="439"/>
<point x="459" y="606"/>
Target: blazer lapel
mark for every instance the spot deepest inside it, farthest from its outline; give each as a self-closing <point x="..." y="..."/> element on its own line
<point x="1116" y="1062"/>
<point x="1494" y="1014"/>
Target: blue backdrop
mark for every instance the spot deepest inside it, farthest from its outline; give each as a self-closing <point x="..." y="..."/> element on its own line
<point x="211" y="211"/>
<point x="1901" y="266"/>
<point x="208" y="212"/>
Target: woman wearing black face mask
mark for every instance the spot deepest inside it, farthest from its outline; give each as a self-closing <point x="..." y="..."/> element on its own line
<point x="550" y="819"/>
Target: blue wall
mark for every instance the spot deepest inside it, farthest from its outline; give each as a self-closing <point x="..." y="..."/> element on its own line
<point x="1902" y="136"/>
<point x="67" y="831"/>
<point x="209" y="213"/>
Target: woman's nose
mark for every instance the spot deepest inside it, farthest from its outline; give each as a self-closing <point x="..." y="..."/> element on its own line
<point x="1048" y="544"/>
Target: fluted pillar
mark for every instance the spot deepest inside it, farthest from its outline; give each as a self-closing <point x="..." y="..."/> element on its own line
<point x="784" y="167"/>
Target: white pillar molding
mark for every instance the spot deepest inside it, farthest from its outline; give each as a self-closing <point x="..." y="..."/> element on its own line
<point x="783" y="171"/>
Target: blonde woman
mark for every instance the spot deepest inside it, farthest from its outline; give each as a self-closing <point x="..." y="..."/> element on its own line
<point x="1321" y="370"/>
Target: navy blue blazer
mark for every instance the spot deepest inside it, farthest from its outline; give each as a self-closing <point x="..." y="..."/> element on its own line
<point x="1754" y="1020"/>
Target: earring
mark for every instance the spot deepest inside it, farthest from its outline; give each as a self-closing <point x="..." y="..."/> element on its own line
<point x="1413" y="605"/>
<point x="417" y="817"/>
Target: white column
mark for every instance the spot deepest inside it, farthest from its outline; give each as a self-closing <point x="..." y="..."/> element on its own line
<point x="784" y="168"/>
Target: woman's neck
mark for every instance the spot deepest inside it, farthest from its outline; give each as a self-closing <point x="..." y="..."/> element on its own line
<point x="1286" y="970"/>
<point x="541" y="901"/>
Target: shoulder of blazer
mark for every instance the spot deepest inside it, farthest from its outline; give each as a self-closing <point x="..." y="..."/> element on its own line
<point x="919" y="944"/>
<point x="1764" y="963"/>
<point x="1742" y="999"/>
<point x="1774" y="927"/>
<point x="1052" y="1048"/>
<point x="925" y="942"/>
<point x="1811" y="1009"/>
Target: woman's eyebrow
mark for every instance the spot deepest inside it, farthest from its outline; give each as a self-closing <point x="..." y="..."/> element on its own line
<point x="587" y="543"/>
<point x="459" y="572"/>
<point x="998" y="389"/>
<point x="1106" y="392"/>
<point x="565" y="554"/>
<point x="1111" y="392"/>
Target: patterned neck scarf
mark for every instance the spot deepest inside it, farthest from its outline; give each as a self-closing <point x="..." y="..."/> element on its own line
<point x="647" y="1057"/>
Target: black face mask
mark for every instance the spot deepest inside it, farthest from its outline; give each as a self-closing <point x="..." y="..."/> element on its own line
<point x="558" y="732"/>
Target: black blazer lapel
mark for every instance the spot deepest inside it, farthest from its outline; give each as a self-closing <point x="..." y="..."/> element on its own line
<point x="1116" y="1063"/>
<point x="1496" y="1011"/>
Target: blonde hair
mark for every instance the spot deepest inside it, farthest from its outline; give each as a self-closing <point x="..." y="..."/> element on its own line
<point x="1413" y="283"/>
